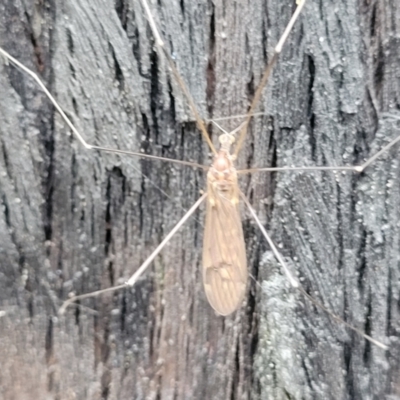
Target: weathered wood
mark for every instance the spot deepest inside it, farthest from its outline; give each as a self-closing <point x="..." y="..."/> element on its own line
<point x="73" y="220"/>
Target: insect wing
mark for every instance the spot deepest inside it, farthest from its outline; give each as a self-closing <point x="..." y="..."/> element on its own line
<point x="224" y="255"/>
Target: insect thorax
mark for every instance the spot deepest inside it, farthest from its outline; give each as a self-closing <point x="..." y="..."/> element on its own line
<point x="222" y="176"/>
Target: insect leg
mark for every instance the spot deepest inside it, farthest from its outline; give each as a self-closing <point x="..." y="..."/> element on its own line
<point x="77" y="134"/>
<point x="161" y="44"/>
<point x="297" y="285"/>
<point x="267" y="73"/>
<point x="133" y="279"/>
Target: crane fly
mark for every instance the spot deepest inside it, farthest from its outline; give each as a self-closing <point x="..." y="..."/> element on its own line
<point x="224" y="253"/>
<point x="225" y="272"/>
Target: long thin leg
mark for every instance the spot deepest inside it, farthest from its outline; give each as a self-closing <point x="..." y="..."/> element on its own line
<point x="133" y="279"/>
<point x="297" y="285"/>
<point x="267" y="73"/>
<point x="160" y="43"/>
<point x="88" y="146"/>
<point x="304" y="169"/>
<point x="354" y="168"/>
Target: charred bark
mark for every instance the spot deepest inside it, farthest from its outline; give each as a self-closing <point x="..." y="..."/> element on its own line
<point x="72" y="220"/>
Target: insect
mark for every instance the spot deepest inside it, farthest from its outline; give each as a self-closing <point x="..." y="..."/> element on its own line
<point x="224" y="259"/>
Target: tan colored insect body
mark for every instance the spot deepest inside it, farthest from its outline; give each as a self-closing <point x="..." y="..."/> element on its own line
<point x="224" y="253"/>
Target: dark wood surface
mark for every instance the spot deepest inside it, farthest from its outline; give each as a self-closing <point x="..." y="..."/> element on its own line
<point x="72" y="220"/>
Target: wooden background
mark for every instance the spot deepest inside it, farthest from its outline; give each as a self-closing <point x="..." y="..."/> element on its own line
<point x="76" y="221"/>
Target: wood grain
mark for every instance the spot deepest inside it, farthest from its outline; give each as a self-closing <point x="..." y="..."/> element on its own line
<point x="77" y="221"/>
